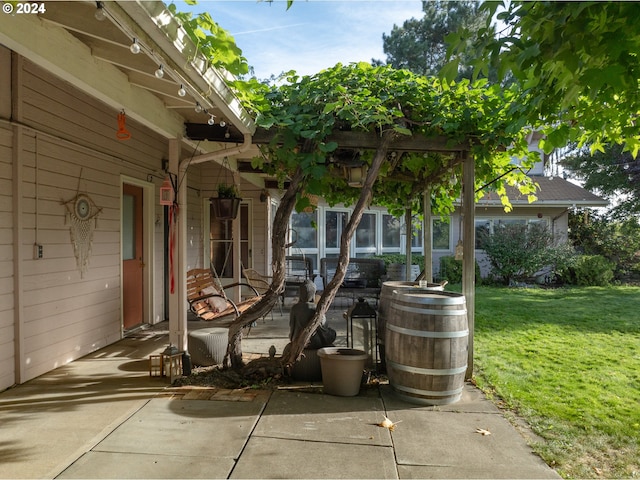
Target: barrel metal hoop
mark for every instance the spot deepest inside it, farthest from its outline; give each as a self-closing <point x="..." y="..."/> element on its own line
<point x="430" y="393"/>
<point x="427" y="334"/>
<point x="428" y="311"/>
<point x="425" y="371"/>
<point x="428" y="401"/>
<point x="429" y="299"/>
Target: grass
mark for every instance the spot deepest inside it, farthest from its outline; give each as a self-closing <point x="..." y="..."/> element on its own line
<point x="568" y="362"/>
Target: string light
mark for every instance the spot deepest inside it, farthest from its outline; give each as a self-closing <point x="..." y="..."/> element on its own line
<point x="100" y="13"/>
<point x="135" y="47"/>
<point x="223" y="123"/>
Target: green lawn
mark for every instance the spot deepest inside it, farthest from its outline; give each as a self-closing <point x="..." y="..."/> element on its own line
<point x="567" y="361"/>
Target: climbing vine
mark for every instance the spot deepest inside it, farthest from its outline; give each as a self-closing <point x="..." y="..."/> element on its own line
<point x="365" y="98"/>
<point x="213" y="41"/>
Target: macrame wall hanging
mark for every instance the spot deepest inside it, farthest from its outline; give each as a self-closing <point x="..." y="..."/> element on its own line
<point x="82" y="216"/>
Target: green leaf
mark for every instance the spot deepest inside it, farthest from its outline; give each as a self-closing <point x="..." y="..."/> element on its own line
<point x="402" y="130"/>
<point x="328" y="147"/>
<point x="308" y="133"/>
<point x="330" y="107"/>
<point x="450" y="71"/>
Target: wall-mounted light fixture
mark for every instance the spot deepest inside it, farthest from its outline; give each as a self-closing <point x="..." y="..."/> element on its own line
<point x="167" y="192"/>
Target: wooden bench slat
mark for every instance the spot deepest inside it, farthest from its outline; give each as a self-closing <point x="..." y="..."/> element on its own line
<point x="199" y="279"/>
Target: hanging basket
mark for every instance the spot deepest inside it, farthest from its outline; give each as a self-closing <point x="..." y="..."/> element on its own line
<point x="225" y="208"/>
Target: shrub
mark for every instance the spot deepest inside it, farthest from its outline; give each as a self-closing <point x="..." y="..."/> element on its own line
<point x="616" y="240"/>
<point x="517" y="252"/>
<point x="451" y="270"/>
<point x="591" y="270"/>
<point x="401" y="258"/>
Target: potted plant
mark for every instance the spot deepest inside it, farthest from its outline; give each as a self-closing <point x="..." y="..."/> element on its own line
<point x="396" y="265"/>
<point x="226" y="205"/>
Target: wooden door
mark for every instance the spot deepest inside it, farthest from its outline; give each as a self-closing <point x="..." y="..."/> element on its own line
<point x="132" y="256"/>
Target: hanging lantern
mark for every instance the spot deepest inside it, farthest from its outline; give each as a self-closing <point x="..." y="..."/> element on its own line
<point x="167" y="195"/>
<point x="366" y="336"/>
<point x="356" y="175"/>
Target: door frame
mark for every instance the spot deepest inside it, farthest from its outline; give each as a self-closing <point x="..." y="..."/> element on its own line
<point x="148" y="214"/>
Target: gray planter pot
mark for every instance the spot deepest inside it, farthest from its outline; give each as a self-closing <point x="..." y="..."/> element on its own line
<point x="342" y="370"/>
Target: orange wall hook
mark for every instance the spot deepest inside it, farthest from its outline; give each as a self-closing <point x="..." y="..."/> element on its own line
<point x="122" y="133"/>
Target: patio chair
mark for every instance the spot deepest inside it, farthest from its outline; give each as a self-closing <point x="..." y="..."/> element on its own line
<point x="208" y="301"/>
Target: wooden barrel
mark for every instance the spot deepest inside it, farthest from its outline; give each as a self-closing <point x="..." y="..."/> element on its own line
<point x="426" y="344"/>
<point x="384" y="305"/>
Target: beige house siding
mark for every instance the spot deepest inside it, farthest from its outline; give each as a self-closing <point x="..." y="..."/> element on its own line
<point x="5" y="82"/>
<point x="7" y="346"/>
<point x="50" y="105"/>
<point x="68" y="145"/>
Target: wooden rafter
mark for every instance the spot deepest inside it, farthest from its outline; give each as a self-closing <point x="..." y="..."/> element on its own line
<point x="345" y="139"/>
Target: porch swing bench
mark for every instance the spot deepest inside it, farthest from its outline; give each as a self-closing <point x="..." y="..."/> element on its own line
<point x="208" y="301"/>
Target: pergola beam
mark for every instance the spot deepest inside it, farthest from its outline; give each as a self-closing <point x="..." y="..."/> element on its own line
<point x="345" y="139"/>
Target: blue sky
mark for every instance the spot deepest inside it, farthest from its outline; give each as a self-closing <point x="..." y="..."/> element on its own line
<point x="312" y="34"/>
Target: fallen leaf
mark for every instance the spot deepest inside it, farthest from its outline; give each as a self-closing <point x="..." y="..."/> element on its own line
<point x="482" y="431"/>
<point x="386" y="423"/>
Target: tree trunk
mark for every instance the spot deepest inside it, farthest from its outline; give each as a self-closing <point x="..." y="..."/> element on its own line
<point x="304" y="335"/>
<point x="233" y="358"/>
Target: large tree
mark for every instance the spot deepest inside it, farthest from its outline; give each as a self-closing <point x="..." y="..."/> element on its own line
<point x="613" y="173"/>
<point x="577" y="64"/>
<point x="419" y="44"/>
